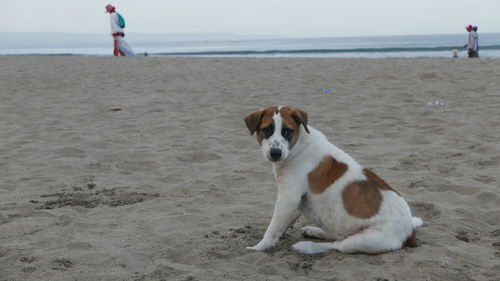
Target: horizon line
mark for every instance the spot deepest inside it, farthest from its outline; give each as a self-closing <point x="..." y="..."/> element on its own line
<point x="243" y="35"/>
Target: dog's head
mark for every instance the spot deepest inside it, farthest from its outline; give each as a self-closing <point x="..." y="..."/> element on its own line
<point x="278" y="129"/>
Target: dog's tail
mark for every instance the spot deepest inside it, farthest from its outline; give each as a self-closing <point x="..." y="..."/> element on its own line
<point x="417" y="222"/>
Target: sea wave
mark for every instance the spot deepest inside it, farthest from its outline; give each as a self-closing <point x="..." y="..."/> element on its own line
<point x="316" y="51"/>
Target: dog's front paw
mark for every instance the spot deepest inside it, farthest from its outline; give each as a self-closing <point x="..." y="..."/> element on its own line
<point x="312" y="248"/>
<point x="261" y="246"/>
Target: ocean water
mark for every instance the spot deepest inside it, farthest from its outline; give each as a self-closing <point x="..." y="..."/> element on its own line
<point x="227" y="45"/>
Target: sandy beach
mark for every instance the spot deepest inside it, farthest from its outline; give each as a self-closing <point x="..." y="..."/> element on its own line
<point x="142" y="168"/>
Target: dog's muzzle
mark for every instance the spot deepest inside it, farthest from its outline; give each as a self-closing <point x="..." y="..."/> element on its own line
<point x="275" y="154"/>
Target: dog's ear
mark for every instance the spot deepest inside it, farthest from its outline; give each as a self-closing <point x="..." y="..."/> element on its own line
<point x="300" y="117"/>
<point x="253" y="120"/>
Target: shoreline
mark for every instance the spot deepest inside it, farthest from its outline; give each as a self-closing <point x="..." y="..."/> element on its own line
<point x="238" y="54"/>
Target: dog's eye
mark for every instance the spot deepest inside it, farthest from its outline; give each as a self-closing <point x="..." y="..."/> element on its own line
<point x="268" y="131"/>
<point x="286" y="133"/>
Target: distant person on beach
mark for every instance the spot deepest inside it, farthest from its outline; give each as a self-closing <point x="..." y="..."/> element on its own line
<point x="472" y="44"/>
<point x="474" y="28"/>
<point x="121" y="48"/>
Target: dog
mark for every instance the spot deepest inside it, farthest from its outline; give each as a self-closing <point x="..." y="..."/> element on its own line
<point x="349" y="205"/>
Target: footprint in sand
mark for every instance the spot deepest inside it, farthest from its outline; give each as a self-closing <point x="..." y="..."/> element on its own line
<point x="487" y="163"/>
<point x="198" y="157"/>
<point x="417" y="140"/>
<point x="488" y="198"/>
<point x="496" y="233"/>
<point x="491" y="217"/>
<point x="70" y="152"/>
<point x="484" y="179"/>
<point x="426" y="211"/>
<point x="132" y="166"/>
<point x="164" y="272"/>
<point x="3" y="219"/>
<point x="62" y="264"/>
<point x="418" y="184"/>
<point x="426" y="76"/>
<point x="411" y="162"/>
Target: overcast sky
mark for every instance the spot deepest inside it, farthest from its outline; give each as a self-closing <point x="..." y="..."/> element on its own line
<point x="291" y="18"/>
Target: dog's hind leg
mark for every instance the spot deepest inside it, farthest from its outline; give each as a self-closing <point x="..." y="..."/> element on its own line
<point x="368" y="241"/>
<point x="316" y="232"/>
<point x="371" y="241"/>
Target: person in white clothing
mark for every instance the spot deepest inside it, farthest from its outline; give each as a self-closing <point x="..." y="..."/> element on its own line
<point x="476" y="36"/>
<point x="472" y="44"/>
<point x="121" y="48"/>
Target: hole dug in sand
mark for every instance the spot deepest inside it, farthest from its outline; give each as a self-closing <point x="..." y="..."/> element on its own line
<point x="110" y="197"/>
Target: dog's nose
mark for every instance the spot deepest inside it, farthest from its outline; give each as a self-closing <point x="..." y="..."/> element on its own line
<point x="275" y="154"/>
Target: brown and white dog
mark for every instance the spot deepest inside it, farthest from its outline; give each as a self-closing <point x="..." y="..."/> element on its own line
<point x="347" y="203"/>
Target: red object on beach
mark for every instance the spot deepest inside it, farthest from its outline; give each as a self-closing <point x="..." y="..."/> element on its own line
<point x="115" y="109"/>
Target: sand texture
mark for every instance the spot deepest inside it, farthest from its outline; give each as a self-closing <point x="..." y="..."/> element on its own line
<point x="142" y="168"/>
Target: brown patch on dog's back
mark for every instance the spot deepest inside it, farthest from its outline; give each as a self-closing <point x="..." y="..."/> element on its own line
<point x="362" y="199"/>
<point x="325" y="174"/>
<point x="381" y="184"/>
<point x="411" y="241"/>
